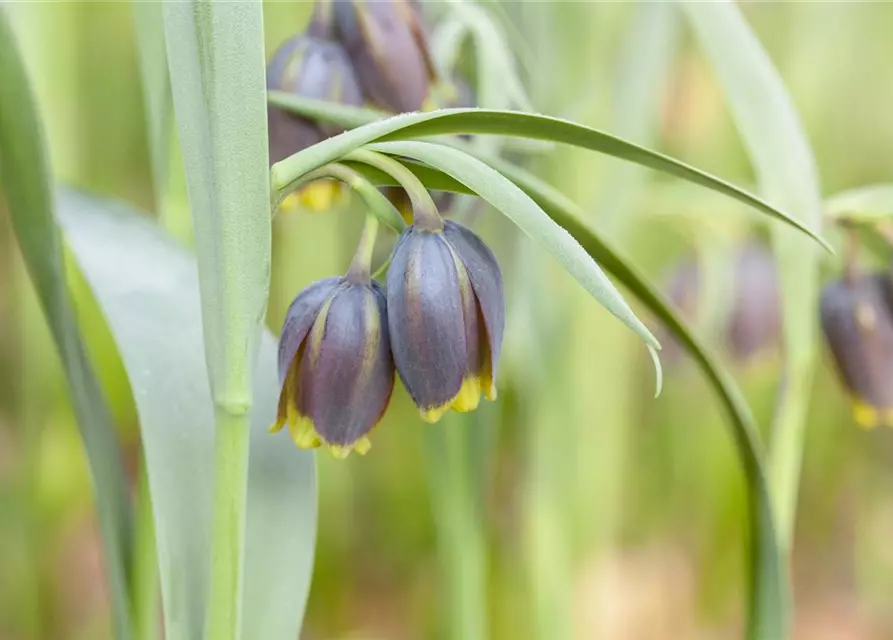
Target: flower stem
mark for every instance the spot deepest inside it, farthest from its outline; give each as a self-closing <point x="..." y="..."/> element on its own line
<point x="424" y="211"/>
<point x="361" y="265"/>
<point x="230" y="493"/>
<point x="377" y="203"/>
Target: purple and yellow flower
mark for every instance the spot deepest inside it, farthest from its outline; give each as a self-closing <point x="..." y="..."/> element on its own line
<point x="857" y="320"/>
<point x="389" y="49"/>
<point x="335" y="366"/>
<point x="311" y="67"/>
<point x="446" y="313"/>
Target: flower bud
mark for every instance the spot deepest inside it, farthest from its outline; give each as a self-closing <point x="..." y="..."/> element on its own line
<point x="310" y="67"/>
<point x="335" y="366"/>
<point x="389" y="50"/>
<point x="446" y="313"/>
<point x="857" y="320"/>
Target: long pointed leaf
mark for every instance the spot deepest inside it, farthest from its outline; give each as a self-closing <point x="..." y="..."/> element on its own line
<point x="776" y="143"/>
<point x="768" y="573"/>
<point x="147" y="286"/>
<point x="25" y="176"/>
<point x="484" y="121"/>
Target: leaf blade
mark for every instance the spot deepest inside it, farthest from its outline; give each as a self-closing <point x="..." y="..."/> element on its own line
<point x="147" y="287"/>
<point x="26" y="181"/>
<point x="484" y="121"/>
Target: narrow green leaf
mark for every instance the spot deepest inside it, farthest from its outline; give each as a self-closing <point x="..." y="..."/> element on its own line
<point x="767" y="569"/>
<point x="216" y="56"/>
<point x="484" y="121"/>
<point x="506" y="197"/>
<point x="148" y="289"/>
<point x="25" y="177"/>
<point x="776" y="143"/>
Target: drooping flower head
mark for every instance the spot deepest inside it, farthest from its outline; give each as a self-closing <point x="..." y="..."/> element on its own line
<point x="446" y="312"/>
<point x="389" y="49"/>
<point x="311" y="67"/>
<point x="857" y="320"/>
<point x="335" y="366"/>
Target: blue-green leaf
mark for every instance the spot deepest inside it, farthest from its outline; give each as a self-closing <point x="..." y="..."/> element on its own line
<point x="147" y="286"/>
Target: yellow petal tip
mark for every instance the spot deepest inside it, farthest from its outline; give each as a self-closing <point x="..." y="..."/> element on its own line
<point x="469" y="396"/>
<point x="433" y="415"/>
<point x="319" y="196"/>
<point x="865" y="415"/>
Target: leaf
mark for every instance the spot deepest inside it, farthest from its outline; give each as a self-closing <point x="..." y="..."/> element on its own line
<point x="766" y="563"/>
<point x="767" y="566"/>
<point x="26" y="182"/>
<point x="776" y="143"/>
<point x="216" y="54"/>
<point x="148" y="289"/>
<point x="483" y="121"/>
<point x="868" y="204"/>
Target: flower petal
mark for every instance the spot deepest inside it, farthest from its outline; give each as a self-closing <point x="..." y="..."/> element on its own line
<point x="426" y="320"/>
<point x="347" y="372"/>
<point x="299" y="319"/>
<point x="486" y="280"/>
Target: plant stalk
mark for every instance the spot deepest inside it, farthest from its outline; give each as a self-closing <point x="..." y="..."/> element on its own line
<point x="424" y="211"/>
<point x="230" y="499"/>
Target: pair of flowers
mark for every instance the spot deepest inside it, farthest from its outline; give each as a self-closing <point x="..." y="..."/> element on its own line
<point x="439" y="324"/>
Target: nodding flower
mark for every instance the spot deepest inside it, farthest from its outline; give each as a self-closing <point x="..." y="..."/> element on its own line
<point x="335" y="366"/>
<point x="311" y="67"/>
<point x="857" y="320"/>
<point x="387" y="43"/>
<point x="446" y="313"/>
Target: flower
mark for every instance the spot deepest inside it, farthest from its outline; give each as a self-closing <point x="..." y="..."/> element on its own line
<point x="335" y="366"/>
<point x="750" y="325"/>
<point x="311" y="67"/>
<point x="857" y="320"/>
<point x="389" y="49"/>
<point x="446" y="314"/>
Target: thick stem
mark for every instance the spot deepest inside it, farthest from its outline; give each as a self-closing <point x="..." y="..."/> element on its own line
<point x="228" y="538"/>
<point x="424" y="211"/>
<point x="361" y="265"/>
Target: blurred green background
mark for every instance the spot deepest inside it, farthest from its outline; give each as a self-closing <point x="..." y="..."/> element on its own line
<point x="622" y="515"/>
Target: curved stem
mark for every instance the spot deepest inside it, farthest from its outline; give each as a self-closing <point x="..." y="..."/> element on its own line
<point x="424" y="211"/>
<point x="360" y="266"/>
<point x="378" y="204"/>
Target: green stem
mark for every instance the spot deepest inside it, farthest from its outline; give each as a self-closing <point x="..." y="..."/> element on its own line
<point x="378" y="204"/>
<point x="227" y="544"/>
<point x="145" y="564"/>
<point x="424" y="211"/>
<point x="361" y="265"/>
<point x="460" y="535"/>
